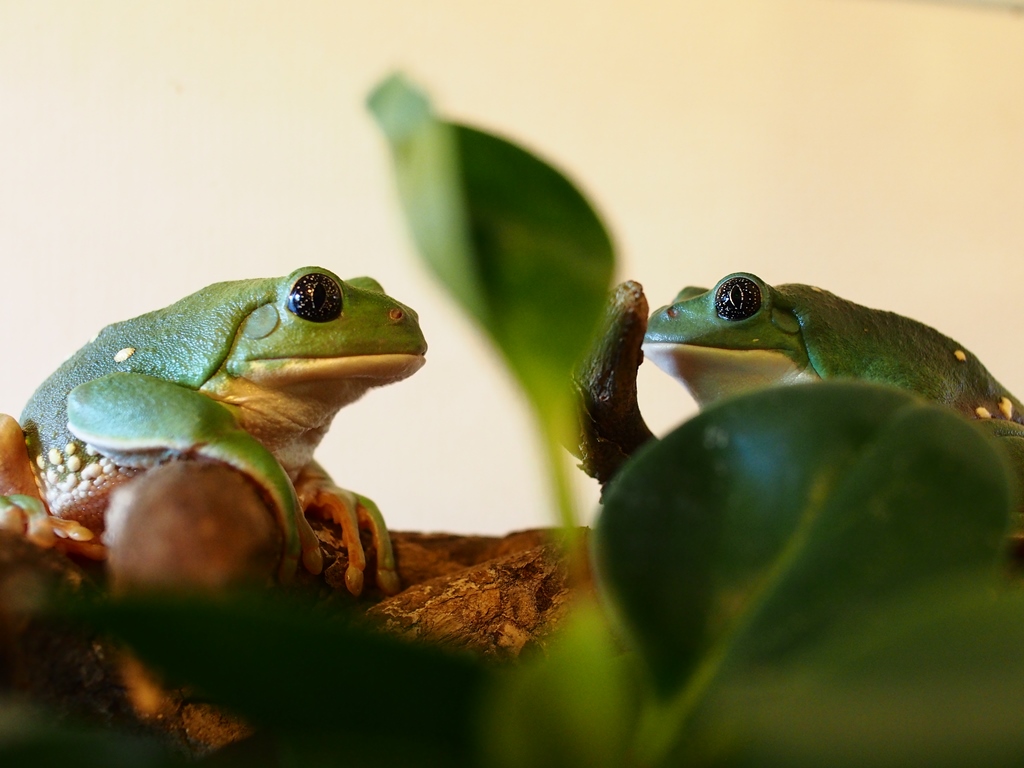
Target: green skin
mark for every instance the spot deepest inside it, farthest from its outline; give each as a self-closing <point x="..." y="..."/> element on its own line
<point x="800" y="333"/>
<point x="229" y="373"/>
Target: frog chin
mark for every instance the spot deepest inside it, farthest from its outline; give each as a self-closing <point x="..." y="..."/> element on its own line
<point x="288" y="405"/>
<point x="711" y="374"/>
<point x="377" y="370"/>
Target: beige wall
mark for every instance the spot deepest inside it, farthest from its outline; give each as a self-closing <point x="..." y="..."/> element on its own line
<point x="150" y="148"/>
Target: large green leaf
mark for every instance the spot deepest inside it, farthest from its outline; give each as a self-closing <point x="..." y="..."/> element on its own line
<point x="34" y="738"/>
<point x="429" y="177"/>
<point x="742" y="536"/>
<point x="518" y="246"/>
<point x="934" y="678"/>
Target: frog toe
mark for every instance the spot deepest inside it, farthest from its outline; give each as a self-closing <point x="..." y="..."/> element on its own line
<point x="67" y="536"/>
<point x="40" y="533"/>
<point x="351" y="512"/>
<point x="92" y="550"/>
<point x="71" y="530"/>
<point x="16" y="477"/>
<point x="387" y="573"/>
<point x="354" y="579"/>
<point x="12" y="517"/>
<point x="29" y="517"/>
<point x="73" y="538"/>
<point x="388" y="581"/>
<point x="312" y="557"/>
<point x="340" y="506"/>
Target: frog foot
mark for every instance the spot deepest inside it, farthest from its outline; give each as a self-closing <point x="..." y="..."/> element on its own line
<point x="352" y="511"/>
<point x="27" y="515"/>
<point x="23" y="512"/>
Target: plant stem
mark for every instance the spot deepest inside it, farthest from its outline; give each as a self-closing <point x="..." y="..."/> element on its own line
<point x="553" y="423"/>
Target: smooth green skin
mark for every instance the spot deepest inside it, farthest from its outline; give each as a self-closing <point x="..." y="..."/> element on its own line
<point x="169" y="398"/>
<point x="824" y="336"/>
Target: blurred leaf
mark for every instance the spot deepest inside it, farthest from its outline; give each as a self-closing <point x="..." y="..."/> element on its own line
<point x="426" y="156"/>
<point x="514" y="241"/>
<point x="323" y="749"/>
<point x="747" y="532"/>
<point x="577" y="706"/>
<point x="302" y="674"/>
<point x="935" y="678"/>
<point x="29" y="737"/>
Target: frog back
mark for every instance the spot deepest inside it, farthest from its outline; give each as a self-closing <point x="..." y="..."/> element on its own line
<point x="848" y="340"/>
<point x="185" y="343"/>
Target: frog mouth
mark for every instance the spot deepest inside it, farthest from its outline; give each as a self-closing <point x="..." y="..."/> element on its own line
<point x="711" y="374"/>
<point x="378" y="369"/>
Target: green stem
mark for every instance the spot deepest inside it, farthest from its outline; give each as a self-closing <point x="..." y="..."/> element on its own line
<point x="558" y="474"/>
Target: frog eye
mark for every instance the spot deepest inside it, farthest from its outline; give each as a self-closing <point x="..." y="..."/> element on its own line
<point x="737" y="299"/>
<point x="315" y="297"/>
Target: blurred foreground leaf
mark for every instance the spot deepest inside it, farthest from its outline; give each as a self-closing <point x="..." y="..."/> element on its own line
<point x="306" y="676"/>
<point x="935" y="678"/>
<point x="738" y="540"/>
<point x="516" y="244"/>
<point x="31" y="738"/>
<point x="577" y="706"/>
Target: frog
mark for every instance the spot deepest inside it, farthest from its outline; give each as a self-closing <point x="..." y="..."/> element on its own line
<point x="744" y="334"/>
<point x="248" y="373"/>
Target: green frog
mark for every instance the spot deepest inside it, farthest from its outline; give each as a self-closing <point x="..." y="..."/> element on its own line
<point x="744" y="334"/>
<point x="249" y="373"/>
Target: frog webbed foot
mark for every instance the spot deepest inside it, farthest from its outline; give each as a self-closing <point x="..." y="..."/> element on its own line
<point x="351" y="511"/>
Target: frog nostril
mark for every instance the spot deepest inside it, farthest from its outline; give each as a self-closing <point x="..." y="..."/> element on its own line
<point x="396" y="314"/>
<point x="672" y="312"/>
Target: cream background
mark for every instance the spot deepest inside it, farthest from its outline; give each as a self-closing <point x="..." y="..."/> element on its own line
<point x="150" y="148"/>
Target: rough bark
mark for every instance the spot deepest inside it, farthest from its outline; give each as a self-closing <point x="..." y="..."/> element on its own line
<point x="511" y="598"/>
<point x="611" y="425"/>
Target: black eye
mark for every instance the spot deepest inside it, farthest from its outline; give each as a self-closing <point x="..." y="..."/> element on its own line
<point x="315" y="297"/>
<point x="737" y="299"/>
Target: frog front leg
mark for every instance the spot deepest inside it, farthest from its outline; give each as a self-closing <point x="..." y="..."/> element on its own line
<point x="22" y="510"/>
<point x="351" y="511"/>
<point x="139" y="421"/>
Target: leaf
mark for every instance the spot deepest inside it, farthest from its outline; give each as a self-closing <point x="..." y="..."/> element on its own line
<point x="934" y="678"/>
<point x="516" y="244"/>
<point x="574" y="707"/>
<point x="427" y="170"/>
<point x="753" y="528"/>
<point x="31" y="737"/>
<point x="301" y="674"/>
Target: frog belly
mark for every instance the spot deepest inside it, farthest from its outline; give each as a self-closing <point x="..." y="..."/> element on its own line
<point x="84" y="500"/>
<point x="711" y="374"/>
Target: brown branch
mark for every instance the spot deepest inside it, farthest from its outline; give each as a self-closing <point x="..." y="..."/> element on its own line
<point x="611" y="425"/>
